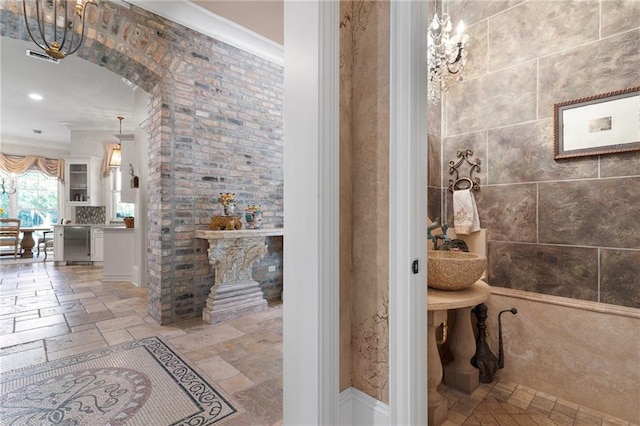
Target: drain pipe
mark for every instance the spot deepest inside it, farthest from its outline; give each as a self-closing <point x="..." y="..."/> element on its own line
<point x="501" y="349"/>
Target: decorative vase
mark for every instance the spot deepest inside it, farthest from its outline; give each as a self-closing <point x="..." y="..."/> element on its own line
<point x="228" y="201"/>
<point x="253" y="216"/>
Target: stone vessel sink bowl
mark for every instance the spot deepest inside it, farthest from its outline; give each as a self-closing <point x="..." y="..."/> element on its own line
<point x="453" y="270"/>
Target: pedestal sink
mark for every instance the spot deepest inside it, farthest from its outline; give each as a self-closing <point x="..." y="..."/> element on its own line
<point x="454" y="281"/>
<point x="454" y="270"/>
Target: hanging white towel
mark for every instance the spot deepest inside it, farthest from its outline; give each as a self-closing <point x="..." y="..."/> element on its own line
<point x="465" y="212"/>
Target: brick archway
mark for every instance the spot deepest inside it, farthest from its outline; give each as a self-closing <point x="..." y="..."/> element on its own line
<point x="215" y="124"/>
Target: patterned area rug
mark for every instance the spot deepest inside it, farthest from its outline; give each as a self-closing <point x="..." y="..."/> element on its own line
<point x="136" y="383"/>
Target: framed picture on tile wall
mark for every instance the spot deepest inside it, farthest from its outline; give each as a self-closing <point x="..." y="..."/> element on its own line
<point x="601" y="124"/>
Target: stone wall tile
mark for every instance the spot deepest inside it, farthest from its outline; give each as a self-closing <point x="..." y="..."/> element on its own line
<point x="622" y="164"/>
<point x="595" y="68"/>
<point x="591" y="212"/>
<point x="619" y="16"/>
<point x="556" y="25"/>
<point x="620" y="277"/>
<point x="555" y="270"/>
<point x="477" y="51"/>
<point x="524" y="153"/>
<point x="508" y="212"/>
<point x="434" y="202"/>
<point x="473" y="11"/>
<point x="434" y="118"/>
<point x="498" y="99"/>
<point x="433" y="160"/>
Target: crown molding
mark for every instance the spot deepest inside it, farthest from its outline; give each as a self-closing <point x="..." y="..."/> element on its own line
<point x="208" y="23"/>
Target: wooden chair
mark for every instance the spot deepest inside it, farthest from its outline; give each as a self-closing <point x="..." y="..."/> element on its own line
<point x="10" y="234"/>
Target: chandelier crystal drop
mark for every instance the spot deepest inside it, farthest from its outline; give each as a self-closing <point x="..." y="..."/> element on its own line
<point x="59" y="24"/>
<point x="446" y="55"/>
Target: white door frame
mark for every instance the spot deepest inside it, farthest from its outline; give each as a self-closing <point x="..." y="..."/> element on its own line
<point x="407" y="214"/>
<point x="311" y="339"/>
<point x="311" y="233"/>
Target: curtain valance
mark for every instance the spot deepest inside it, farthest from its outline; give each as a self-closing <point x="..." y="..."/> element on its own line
<point x="19" y="164"/>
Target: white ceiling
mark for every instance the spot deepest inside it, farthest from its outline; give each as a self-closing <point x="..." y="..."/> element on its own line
<point x="79" y="95"/>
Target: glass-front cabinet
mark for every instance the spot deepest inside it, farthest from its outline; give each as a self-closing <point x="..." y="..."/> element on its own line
<point x="82" y="181"/>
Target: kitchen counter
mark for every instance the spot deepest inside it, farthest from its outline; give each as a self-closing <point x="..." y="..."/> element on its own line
<point x="95" y="225"/>
<point x="119" y="254"/>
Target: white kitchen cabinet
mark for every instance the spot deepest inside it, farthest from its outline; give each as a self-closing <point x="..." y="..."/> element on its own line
<point x="58" y="243"/>
<point x="97" y="244"/>
<point x="82" y="181"/>
<point x="118" y="254"/>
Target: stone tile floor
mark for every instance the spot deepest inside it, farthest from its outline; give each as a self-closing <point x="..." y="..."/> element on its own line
<point x="510" y="404"/>
<point x="49" y="312"/>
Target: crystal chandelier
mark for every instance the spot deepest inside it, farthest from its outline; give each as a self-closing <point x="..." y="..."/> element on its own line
<point x="60" y="25"/>
<point x="446" y="55"/>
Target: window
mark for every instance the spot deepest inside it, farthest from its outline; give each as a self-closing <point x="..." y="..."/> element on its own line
<point x="35" y="201"/>
<point x="118" y="209"/>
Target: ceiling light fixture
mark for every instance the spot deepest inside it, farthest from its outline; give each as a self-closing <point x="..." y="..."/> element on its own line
<point x="116" y="154"/>
<point x="446" y="55"/>
<point x="60" y="25"/>
<point x="35" y="96"/>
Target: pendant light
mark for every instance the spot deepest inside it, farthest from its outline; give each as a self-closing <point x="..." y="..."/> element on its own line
<point x="59" y="26"/>
<point x="116" y="154"/>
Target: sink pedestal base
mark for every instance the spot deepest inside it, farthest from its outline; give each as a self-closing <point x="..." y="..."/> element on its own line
<point x="437" y="404"/>
<point x="460" y="374"/>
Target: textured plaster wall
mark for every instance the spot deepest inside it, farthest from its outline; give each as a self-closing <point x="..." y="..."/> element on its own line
<point x="364" y="168"/>
<point x="347" y="35"/>
<point x="215" y="125"/>
<point x="555" y="228"/>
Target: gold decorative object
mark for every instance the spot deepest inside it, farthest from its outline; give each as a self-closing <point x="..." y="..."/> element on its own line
<point x="225" y="223"/>
<point x="62" y="20"/>
<point x="228" y="201"/>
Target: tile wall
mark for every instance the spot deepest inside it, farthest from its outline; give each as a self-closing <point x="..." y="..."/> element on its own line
<point x="91" y="215"/>
<point x="568" y="228"/>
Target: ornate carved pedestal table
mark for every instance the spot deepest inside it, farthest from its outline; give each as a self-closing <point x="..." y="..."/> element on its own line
<point x="232" y="255"/>
<point x="459" y="374"/>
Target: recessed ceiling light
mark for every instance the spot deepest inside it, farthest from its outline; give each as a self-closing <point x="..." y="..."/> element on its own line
<point x="35" y="96"/>
<point x="37" y="131"/>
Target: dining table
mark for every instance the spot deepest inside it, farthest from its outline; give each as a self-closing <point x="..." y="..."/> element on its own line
<point x="27" y="240"/>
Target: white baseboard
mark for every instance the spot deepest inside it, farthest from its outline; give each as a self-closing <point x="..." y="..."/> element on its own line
<point x="358" y="408"/>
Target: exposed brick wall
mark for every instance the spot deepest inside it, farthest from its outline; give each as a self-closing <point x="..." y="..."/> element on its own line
<point x="215" y="126"/>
